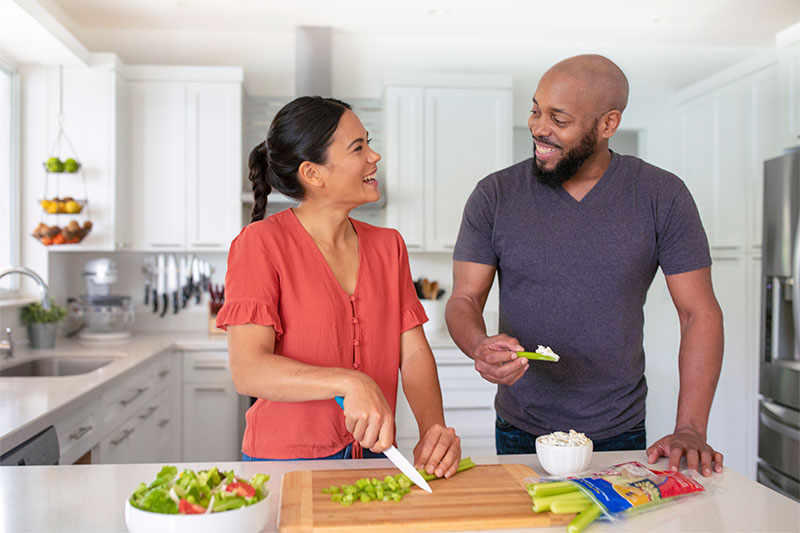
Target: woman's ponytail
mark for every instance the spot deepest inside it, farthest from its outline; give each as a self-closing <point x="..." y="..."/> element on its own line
<point x="259" y="171"/>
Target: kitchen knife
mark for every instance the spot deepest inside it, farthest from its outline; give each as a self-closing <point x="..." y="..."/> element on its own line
<point x="172" y="281"/>
<point x="399" y="461"/>
<point x="196" y="279"/>
<point x="183" y="279"/>
<point x="161" y="284"/>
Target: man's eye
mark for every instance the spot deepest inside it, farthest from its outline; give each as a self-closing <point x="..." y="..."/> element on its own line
<point x="558" y="122"/>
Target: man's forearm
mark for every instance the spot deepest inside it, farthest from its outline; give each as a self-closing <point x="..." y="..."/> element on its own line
<point x="700" y="362"/>
<point x="465" y="322"/>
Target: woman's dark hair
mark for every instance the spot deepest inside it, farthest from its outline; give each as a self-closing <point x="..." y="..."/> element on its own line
<point x="301" y="131"/>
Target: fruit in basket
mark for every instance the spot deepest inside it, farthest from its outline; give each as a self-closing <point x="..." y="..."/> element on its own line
<point x="45" y="204"/>
<point x="72" y="207"/>
<point x="59" y="239"/>
<point x="52" y="207"/>
<point x="70" y="165"/>
<point x="54" y="164"/>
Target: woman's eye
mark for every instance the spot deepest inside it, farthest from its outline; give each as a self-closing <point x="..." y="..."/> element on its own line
<point x="369" y="140"/>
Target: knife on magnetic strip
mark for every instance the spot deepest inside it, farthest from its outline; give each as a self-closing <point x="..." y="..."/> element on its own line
<point x="399" y="461"/>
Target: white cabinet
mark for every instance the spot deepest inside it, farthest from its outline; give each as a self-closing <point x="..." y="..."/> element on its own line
<point x="727" y="128"/>
<point x="148" y="404"/>
<point x="468" y="402"/>
<point x="186" y="152"/>
<point x="788" y="42"/>
<point x="443" y="136"/>
<point x="158" y="175"/>
<point x="78" y="432"/>
<point x="212" y="414"/>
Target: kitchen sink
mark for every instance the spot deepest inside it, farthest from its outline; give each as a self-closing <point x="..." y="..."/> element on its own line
<point x="57" y="366"/>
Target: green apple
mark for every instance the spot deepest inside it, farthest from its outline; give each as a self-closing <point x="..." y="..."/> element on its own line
<point x="54" y="164"/>
<point x="70" y="165"/>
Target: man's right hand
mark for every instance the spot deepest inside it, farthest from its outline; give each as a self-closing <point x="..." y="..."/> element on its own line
<point x="496" y="359"/>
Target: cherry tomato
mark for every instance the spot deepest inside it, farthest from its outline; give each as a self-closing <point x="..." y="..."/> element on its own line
<point x="241" y="489"/>
<point x="187" y="507"/>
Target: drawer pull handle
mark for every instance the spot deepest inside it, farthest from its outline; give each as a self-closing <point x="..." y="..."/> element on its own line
<point x="163" y="423"/>
<point x="149" y="413"/>
<point x="209" y="389"/>
<point x="125" y="434"/>
<point x="83" y="430"/>
<point x="210" y="367"/>
<point x="138" y="393"/>
<point x="164" y="245"/>
<point x="163" y="373"/>
<point x="207" y="244"/>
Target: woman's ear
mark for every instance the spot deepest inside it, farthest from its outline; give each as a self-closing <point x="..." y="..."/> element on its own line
<point x="309" y="175"/>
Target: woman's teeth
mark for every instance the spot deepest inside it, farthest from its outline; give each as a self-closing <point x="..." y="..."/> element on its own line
<point x="370" y="178"/>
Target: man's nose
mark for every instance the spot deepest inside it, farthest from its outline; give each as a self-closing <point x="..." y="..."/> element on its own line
<point x="538" y="127"/>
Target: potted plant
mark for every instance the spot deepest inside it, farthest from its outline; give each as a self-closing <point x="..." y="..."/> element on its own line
<point x="42" y="324"/>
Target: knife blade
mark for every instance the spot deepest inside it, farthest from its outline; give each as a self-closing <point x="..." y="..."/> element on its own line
<point x="394" y="455"/>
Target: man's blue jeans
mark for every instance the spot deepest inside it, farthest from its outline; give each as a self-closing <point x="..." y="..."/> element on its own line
<point x="512" y="440"/>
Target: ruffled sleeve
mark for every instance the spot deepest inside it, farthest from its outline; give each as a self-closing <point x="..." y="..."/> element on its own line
<point x="411" y="312"/>
<point x="252" y="283"/>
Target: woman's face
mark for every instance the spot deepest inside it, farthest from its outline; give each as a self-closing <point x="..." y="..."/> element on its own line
<point x="350" y="172"/>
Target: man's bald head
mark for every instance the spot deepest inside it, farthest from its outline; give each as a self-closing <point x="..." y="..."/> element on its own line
<point x="598" y="78"/>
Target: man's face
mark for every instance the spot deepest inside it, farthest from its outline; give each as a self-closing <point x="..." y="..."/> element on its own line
<point x="566" y="166"/>
<point x="564" y="129"/>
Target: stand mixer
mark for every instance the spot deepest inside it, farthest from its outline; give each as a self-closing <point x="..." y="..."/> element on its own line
<point x="105" y="316"/>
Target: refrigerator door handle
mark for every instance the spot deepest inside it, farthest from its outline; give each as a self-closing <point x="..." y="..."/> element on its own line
<point x="795" y="281"/>
<point x="770" y="423"/>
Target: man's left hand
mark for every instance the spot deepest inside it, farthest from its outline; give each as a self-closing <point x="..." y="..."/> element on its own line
<point x="699" y="455"/>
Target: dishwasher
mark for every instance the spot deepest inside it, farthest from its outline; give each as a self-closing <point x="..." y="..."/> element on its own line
<point x="41" y="449"/>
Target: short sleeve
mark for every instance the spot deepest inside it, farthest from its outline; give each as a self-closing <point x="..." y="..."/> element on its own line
<point x="411" y="312"/>
<point x="252" y="283"/>
<point x="474" y="242"/>
<point x="682" y="242"/>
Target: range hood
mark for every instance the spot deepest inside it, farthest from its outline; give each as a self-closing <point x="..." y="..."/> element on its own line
<point x="312" y="63"/>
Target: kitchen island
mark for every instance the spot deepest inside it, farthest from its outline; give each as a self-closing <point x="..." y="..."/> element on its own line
<point x="91" y="497"/>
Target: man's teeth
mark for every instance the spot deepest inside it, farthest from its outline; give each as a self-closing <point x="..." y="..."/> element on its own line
<point x="542" y="149"/>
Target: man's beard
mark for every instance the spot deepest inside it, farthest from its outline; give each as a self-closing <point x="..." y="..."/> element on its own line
<point x="569" y="165"/>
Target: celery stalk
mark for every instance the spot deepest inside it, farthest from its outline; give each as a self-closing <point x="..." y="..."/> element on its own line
<point x="536" y="356"/>
<point x="586" y="517"/>
<point x="542" y="504"/>
<point x="537" y="490"/>
<point x="567" y="507"/>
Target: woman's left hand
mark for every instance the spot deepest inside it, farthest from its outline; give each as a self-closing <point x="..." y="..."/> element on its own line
<point x="438" y="452"/>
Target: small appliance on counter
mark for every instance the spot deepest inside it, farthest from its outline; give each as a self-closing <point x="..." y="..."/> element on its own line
<point x="104" y="316"/>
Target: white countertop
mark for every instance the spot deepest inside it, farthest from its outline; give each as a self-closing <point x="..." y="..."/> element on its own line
<point x="91" y="497"/>
<point x="29" y="405"/>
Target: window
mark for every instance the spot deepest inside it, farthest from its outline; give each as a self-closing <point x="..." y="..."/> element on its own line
<point x="9" y="175"/>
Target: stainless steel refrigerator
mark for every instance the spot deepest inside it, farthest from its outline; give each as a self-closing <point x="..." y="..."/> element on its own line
<point x="779" y="401"/>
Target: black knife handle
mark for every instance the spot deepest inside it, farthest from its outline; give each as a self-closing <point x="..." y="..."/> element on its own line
<point x="165" y="304"/>
<point x="175" y="304"/>
<point x="155" y="301"/>
<point x="147" y="296"/>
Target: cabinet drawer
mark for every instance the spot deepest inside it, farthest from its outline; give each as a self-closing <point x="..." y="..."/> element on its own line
<point x="78" y="432"/>
<point x="166" y="371"/>
<point x="206" y="367"/>
<point x="125" y="399"/>
<point x="116" y="447"/>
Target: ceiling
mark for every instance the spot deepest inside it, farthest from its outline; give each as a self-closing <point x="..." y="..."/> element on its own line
<point x="685" y="22"/>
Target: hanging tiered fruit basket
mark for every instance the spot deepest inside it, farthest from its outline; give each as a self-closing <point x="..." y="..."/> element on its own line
<point x="63" y="162"/>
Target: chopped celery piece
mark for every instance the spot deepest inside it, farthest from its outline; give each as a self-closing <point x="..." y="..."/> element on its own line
<point x="583" y="519"/>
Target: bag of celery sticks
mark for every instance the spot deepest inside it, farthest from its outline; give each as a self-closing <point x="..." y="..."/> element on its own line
<point x="622" y="489"/>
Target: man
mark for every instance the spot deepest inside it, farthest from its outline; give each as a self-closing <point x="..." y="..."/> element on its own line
<point x="576" y="235"/>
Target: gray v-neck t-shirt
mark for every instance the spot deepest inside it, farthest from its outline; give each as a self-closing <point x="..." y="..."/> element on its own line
<point x="574" y="276"/>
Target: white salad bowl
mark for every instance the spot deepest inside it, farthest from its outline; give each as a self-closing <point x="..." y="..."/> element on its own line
<point x="564" y="460"/>
<point x="251" y="518"/>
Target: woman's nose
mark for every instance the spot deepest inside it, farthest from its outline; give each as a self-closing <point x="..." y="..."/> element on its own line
<point x="375" y="156"/>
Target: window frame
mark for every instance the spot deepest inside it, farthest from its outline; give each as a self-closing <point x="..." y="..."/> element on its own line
<point x="11" y="284"/>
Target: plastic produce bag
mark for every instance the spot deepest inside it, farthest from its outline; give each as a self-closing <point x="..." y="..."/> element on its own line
<point x="614" y="492"/>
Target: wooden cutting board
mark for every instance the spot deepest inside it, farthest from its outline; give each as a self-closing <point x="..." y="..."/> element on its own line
<point x="484" y="497"/>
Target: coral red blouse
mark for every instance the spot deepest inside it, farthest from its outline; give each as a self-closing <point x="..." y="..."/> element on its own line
<point x="278" y="277"/>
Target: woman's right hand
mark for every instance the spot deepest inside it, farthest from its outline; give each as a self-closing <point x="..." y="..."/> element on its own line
<point x="367" y="414"/>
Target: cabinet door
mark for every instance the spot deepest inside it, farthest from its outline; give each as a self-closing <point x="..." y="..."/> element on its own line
<point x="214" y="164"/>
<point x="211" y="422"/>
<point x="404" y="164"/>
<point x="789" y="65"/>
<point x="467" y="136"/>
<point x="158" y="156"/>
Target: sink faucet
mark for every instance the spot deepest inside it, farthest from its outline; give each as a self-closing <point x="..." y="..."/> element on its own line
<point x="7" y="346"/>
<point x="39" y="281"/>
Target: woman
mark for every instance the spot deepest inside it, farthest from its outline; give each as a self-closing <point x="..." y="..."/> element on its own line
<point x="319" y="305"/>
